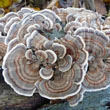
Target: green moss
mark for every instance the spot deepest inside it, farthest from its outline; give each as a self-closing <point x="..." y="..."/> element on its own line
<point x="55" y="34"/>
<point x="52" y="34"/>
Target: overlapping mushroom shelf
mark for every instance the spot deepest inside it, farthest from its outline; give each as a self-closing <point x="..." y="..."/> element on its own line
<point x="60" y="53"/>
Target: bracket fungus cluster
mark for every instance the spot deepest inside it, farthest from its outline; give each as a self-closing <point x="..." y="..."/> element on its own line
<point x="60" y="53"/>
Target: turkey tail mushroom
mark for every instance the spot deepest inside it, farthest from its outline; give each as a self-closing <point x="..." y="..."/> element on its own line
<point x="8" y="24"/>
<point x="8" y="16"/>
<point x="95" y="40"/>
<point x="61" y="52"/>
<point x="76" y="48"/>
<point x="12" y="33"/>
<point x="35" y="40"/>
<point x="59" y="88"/>
<point x="12" y="44"/>
<point x="67" y="78"/>
<point x="96" y="43"/>
<point x="20" y="75"/>
<point x="62" y="13"/>
<point x="72" y="26"/>
<point x="74" y="100"/>
<point x="52" y="15"/>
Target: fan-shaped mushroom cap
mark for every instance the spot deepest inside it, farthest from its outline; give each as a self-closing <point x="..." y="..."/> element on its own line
<point x="72" y="26"/>
<point x="96" y="42"/>
<point x="8" y="16"/>
<point x="12" y="44"/>
<point x="50" y="14"/>
<point x="59" y="49"/>
<point x="57" y="26"/>
<point x="52" y="57"/>
<point x="12" y="33"/>
<point x="60" y="87"/>
<point x="11" y="21"/>
<point x="65" y="63"/>
<point x="73" y="11"/>
<point x="48" y="44"/>
<point x="41" y="56"/>
<point x="75" y="48"/>
<point x="76" y="13"/>
<point x="20" y="75"/>
<point x="79" y="73"/>
<point x="92" y="19"/>
<point x="23" y="29"/>
<point x="62" y="13"/>
<point x="74" y="100"/>
<point x="24" y="11"/>
<point x="97" y="78"/>
<point x="36" y="40"/>
<point x="4" y="20"/>
<point x="47" y="24"/>
<point x="65" y="82"/>
<point x="32" y="28"/>
<point x="46" y="73"/>
<point x="77" y="40"/>
<point x="37" y="21"/>
<point x="29" y="54"/>
<point x="23" y="26"/>
<point x="106" y="30"/>
<point x="43" y="21"/>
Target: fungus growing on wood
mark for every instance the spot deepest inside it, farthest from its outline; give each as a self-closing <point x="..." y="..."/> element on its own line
<point x="25" y="12"/>
<point x="106" y="27"/>
<point x="62" y="13"/>
<point x="20" y="75"/>
<point x="8" y="16"/>
<point x="41" y="68"/>
<point x="73" y="101"/>
<point x="72" y="26"/>
<point x="50" y="14"/>
<point x="96" y="44"/>
<point x="37" y="59"/>
<point x="62" y="66"/>
<point x="85" y="17"/>
<point x="60" y="53"/>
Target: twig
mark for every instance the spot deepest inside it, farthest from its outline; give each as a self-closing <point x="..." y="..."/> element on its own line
<point x="53" y="2"/>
